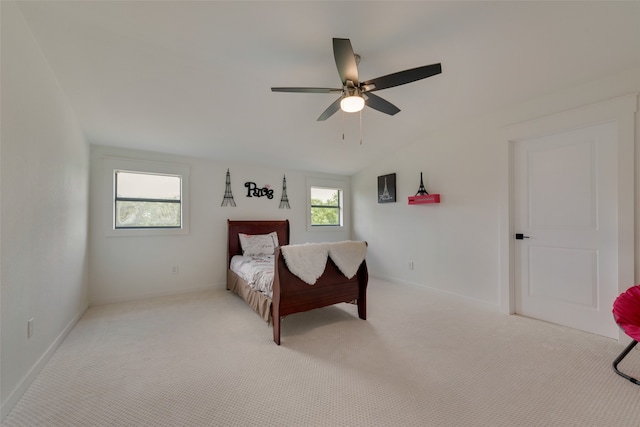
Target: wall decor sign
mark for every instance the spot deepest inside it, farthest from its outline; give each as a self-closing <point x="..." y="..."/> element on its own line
<point x="387" y="188"/>
<point x="254" y="191"/>
<point x="228" y="196"/>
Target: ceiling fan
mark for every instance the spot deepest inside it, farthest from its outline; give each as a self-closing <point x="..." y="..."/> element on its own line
<point x="356" y="94"/>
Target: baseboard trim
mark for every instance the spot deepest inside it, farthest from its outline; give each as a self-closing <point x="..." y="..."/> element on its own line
<point x="153" y="294"/>
<point x="476" y="302"/>
<point x="26" y="381"/>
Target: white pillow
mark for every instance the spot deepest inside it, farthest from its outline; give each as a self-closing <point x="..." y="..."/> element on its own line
<point x="259" y="244"/>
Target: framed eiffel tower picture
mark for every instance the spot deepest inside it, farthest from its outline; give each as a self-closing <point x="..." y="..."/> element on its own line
<point x="387" y="188"/>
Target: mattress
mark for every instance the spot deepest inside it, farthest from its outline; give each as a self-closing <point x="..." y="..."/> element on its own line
<point x="256" y="271"/>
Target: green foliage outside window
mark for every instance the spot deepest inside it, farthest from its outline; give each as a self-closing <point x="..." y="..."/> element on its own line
<point x="325" y="206"/>
<point x="147" y="214"/>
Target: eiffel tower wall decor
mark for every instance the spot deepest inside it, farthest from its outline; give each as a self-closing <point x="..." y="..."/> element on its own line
<point x="422" y="197"/>
<point x="387" y="188"/>
<point x="284" y="201"/>
<point x="228" y="196"/>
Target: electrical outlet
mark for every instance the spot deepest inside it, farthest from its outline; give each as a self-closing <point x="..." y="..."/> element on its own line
<point x="174" y="269"/>
<point x="30" y="328"/>
<point x="410" y="265"/>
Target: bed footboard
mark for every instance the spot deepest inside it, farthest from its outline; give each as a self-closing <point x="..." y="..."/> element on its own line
<point x="292" y="295"/>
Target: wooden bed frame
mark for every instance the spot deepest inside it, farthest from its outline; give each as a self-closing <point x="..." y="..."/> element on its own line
<point x="290" y="293"/>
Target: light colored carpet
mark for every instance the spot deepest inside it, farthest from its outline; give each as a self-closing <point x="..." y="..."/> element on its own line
<point x="421" y="359"/>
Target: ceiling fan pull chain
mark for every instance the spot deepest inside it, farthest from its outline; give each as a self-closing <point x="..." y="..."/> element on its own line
<point x="360" y="127"/>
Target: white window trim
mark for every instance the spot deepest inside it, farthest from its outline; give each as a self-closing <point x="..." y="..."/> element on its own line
<point x="112" y="164"/>
<point x="343" y="185"/>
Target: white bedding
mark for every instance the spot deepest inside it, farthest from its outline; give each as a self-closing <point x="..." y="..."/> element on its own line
<point x="308" y="261"/>
<point x="257" y="271"/>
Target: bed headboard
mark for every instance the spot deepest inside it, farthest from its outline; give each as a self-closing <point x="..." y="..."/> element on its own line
<point x="254" y="227"/>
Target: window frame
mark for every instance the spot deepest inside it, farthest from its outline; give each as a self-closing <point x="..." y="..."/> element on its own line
<point x="142" y="199"/>
<point x="111" y="165"/>
<point x="332" y="184"/>
<point x="339" y="206"/>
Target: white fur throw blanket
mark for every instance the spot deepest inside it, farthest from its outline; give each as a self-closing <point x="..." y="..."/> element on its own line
<point x="307" y="261"/>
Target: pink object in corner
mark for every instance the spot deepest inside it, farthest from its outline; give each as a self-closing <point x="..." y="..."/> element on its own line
<point x="626" y="312"/>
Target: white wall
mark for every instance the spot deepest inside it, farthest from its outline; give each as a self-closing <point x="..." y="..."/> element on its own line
<point x="44" y="215"/>
<point x="455" y="245"/>
<point x="123" y="268"/>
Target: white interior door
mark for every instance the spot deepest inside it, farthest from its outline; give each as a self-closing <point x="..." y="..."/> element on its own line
<point x="565" y="201"/>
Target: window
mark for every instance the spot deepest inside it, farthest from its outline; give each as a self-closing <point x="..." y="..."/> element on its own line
<point x="144" y="200"/>
<point x="326" y="206"/>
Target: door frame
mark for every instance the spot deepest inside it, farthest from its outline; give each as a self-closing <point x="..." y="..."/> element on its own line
<point x="620" y="110"/>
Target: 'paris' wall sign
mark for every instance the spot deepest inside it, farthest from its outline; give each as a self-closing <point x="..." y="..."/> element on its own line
<point x="254" y="191"/>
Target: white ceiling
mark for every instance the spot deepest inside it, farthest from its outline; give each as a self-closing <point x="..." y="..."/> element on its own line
<point x="194" y="78"/>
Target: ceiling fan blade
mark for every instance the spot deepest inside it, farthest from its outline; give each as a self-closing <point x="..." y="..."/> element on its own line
<point x="401" y="77"/>
<point x="345" y="61"/>
<point x="306" y="89"/>
<point x="330" y="111"/>
<point x="380" y="104"/>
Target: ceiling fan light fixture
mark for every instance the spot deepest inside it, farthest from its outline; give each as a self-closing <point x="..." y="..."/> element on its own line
<point x="352" y="104"/>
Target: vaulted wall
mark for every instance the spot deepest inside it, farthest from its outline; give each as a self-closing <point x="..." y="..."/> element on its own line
<point x="44" y="214"/>
<point x="457" y="246"/>
<point x="130" y="267"/>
